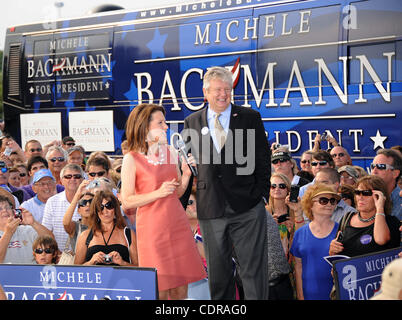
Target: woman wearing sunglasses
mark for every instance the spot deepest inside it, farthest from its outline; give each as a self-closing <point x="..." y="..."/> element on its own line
<point x="311" y="243"/>
<point x="108" y="241"/>
<point x="372" y="228"/>
<point x="82" y="201"/>
<point x="45" y="250"/>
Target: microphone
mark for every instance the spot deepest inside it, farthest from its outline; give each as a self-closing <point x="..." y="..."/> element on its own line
<point x="181" y="148"/>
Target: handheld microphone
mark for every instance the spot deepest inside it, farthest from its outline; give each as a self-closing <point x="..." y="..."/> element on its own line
<point x="181" y="148"/>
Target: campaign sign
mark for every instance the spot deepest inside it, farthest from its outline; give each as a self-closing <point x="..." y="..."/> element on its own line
<point x="358" y="278"/>
<point x="56" y="282"/>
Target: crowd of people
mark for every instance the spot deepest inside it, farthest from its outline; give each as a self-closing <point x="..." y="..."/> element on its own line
<point x="216" y="235"/>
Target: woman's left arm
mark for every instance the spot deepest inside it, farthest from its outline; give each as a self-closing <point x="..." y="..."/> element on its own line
<point x="381" y="231"/>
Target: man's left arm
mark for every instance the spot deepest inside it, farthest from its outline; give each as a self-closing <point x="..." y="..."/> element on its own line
<point x="262" y="158"/>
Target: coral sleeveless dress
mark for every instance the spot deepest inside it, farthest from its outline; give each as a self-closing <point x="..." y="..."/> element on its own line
<point x="164" y="237"/>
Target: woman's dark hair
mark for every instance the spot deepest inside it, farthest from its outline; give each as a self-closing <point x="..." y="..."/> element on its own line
<point x="95" y="222"/>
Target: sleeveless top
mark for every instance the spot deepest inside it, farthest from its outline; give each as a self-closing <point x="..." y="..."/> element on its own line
<point x="121" y="249"/>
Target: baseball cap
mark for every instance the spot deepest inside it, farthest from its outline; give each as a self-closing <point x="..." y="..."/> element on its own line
<point x="391" y="282"/>
<point x="42" y="173"/>
<point x="349" y="170"/>
<point x="280" y="155"/>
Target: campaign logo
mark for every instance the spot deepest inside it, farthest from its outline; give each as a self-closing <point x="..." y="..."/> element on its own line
<point x="366" y="239"/>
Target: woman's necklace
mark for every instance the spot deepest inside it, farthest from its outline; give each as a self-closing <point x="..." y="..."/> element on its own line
<point x="161" y="157"/>
<point x="365" y="220"/>
<point x="106" y="242"/>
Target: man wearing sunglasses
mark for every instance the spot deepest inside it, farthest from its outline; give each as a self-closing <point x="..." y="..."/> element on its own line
<point x="320" y="159"/>
<point x="341" y="156"/>
<point x="97" y="167"/>
<point x="387" y="165"/>
<point x="44" y="185"/>
<point x="282" y="163"/>
<point x="56" y="206"/>
<point x="20" y="194"/>
<point x="17" y="235"/>
<point x="57" y="159"/>
<point x="33" y="148"/>
<point x="67" y="142"/>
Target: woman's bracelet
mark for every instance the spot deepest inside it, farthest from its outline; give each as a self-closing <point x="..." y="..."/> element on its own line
<point x="380" y="214"/>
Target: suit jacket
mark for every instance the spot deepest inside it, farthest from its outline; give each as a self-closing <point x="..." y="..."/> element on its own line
<point x="238" y="175"/>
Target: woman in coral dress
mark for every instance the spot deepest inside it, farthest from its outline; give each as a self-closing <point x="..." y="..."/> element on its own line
<point x="152" y="183"/>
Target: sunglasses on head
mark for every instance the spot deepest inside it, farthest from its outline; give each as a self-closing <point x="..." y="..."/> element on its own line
<point x="321" y="163"/>
<point x="84" y="202"/>
<point x="60" y="159"/>
<point x="365" y="193"/>
<point x="94" y="174"/>
<point x="35" y="150"/>
<point x="46" y="250"/>
<point x="324" y="201"/>
<point x="108" y="205"/>
<point x="381" y="166"/>
<point x="280" y="186"/>
<point x="279" y="160"/>
<point x="75" y="176"/>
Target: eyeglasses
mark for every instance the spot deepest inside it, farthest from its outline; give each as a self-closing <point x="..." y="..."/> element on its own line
<point x="280" y="186"/>
<point x="381" y="166"/>
<point x="340" y="155"/>
<point x="346" y="196"/>
<point x="305" y="161"/>
<point x="75" y="176"/>
<point x="46" y="250"/>
<point x="35" y="150"/>
<point x="22" y="174"/>
<point x="45" y="184"/>
<point x="60" y="159"/>
<point x="70" y="144"/>
<point x="99" y="174"/>
<point x="108" y="205"/>
<point x="279" y="160"/>
<point x="364" y="193"/>
<point x="190" y="202"/>
<point x="84" y="202"/>
<point x="5" y="208"/>
<point x="324" y="201"/>
<point x="321" y="163"/>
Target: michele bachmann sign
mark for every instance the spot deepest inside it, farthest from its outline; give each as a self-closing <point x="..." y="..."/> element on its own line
<point x="38" y="282"/>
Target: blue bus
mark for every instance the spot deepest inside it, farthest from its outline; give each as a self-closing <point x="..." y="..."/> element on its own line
<point x="308" y="67"/>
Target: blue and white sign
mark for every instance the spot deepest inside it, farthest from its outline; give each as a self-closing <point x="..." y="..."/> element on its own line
<point x="359" y="278"/>
<point x="54" y="282"/>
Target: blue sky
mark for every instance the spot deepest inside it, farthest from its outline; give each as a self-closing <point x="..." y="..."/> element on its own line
<point x="17" y="12"/>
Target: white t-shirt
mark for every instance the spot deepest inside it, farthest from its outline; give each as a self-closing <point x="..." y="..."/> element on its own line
<point x="56" y="207"/>
<point x="19" y="249"/>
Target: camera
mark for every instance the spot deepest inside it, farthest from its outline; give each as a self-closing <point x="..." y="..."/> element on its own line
<point x="93" y="184"/>
<point x="294" y="193"/>
<point x="324" y="136"/>
<point x="283" y="218"/>
<point x="18" y="214"/>
<point x="107" y="258"/>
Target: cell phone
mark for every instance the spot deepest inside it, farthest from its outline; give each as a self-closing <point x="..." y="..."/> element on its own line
<point x="8" y="151"/>
<point x="283" y="218"/>
<point x="340" y="237"/>
<point x="294" y="193"/>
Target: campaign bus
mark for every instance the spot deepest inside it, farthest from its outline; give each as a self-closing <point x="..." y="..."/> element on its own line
<point x="308" y="67"/>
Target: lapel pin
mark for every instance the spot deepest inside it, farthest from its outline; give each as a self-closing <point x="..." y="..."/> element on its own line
<point x="234" y="114"/>
<point x="204" y="131"/>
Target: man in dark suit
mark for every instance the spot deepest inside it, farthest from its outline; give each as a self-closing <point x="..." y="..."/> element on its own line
<point x="233" y="162"/>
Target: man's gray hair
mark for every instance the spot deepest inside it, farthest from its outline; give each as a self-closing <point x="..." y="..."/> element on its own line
<point x="72" y="167"/>
<point x="56" y="148"/>
<point x="218" y="73"/>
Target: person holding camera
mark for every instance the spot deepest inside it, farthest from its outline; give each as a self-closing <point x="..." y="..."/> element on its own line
<point x="108" y="241"/>
<point x="18" y="231"/>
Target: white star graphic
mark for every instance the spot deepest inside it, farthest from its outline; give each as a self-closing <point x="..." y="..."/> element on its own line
<point x="107" y="85"/>
<point x="31" y="90"/>
<point x="378" y="140"/>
